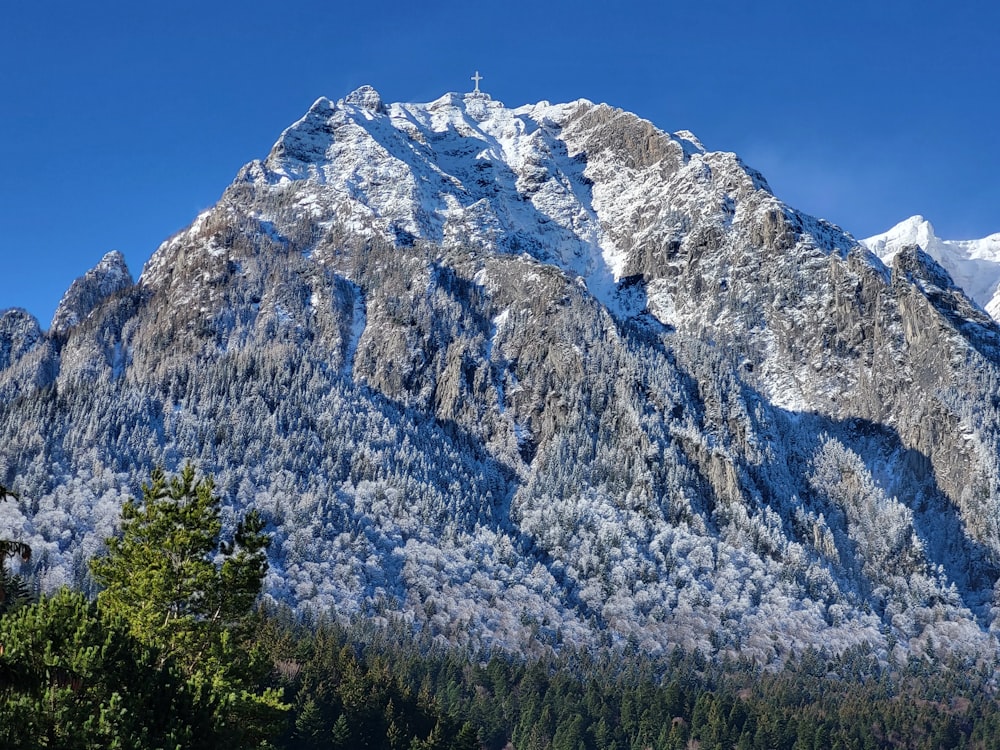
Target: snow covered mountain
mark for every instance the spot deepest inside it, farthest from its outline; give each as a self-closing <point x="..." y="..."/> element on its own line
<point x="973" y="264"/>
<point x="530" y="377"/>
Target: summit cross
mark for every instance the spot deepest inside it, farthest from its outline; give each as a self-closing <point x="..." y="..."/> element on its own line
<point x="477" y="78"/>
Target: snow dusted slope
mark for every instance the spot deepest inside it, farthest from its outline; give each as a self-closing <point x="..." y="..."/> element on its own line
<point x="459" y="170"/>
<point x="973" y="264"/>
<point x="651" y="223"/>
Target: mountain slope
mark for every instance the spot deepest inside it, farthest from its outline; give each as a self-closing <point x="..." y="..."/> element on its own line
<point x="531" y="377"/>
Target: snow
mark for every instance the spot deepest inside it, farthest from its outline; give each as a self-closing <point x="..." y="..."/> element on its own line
<point x="690" y="142"/>
<point x="496" y="325"/>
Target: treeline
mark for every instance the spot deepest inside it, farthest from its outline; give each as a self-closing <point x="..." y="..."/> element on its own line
<point x="80" y="680"/>
<point x="615" y="701"/>
<point x="174" y="652"/>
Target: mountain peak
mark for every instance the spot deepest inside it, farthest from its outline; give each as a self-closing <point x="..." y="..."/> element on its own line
<point x="366" y="97"/>
<point x="109" y="276"/>
<point x="561" y="182"/>
<point x="320" y="108"/>
<point x="915" y="230"/>
<point x="547" y="359"/>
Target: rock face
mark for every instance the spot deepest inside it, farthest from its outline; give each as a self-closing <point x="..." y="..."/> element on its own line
<point x="536" y="377"/>
<point x="110" y="276"/>
<point x="19" y="334"/>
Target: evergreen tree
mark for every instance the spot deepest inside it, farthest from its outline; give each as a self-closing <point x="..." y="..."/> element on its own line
<point x="186" y="593"/>
<point x="340" y="735"/>
<point x="72" y="679"/>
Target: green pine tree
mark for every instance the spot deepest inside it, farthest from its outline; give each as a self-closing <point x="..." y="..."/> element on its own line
<point x="82" y="681"/>
<point x="340" y="735"/>
<point x="190" y="595"/>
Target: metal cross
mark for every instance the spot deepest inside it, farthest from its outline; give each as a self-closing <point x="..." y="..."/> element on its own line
<point x="477" y="78"/>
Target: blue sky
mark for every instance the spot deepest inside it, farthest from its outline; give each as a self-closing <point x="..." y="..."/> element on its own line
<point x="120" y="121"/>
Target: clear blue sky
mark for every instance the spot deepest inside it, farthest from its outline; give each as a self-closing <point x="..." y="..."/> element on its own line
<point x="120" y="121"/>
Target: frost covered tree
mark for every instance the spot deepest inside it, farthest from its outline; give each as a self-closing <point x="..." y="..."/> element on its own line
<point x="12" y="588"/>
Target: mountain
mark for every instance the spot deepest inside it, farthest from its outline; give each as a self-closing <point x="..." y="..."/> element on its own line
<point x="973" y="264"/>
<point x="530" y="378"/>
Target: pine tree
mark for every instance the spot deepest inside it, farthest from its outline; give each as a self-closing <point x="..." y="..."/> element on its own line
<point x="164" y="578"/>
<point x="71" y="679"/>
<point x="340" y="735"/>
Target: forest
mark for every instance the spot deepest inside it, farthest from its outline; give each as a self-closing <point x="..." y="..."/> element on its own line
<point x="176" y="650"/>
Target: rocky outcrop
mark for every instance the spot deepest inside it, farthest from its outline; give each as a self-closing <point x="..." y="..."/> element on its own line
<point x="107" y="278"/>
<point x="19" y="334"/>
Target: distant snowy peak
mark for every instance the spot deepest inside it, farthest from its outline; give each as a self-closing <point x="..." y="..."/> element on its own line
<point x="913" y="231"/>
<point x="974" y="265"/>
<point x="109" y="276"/>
